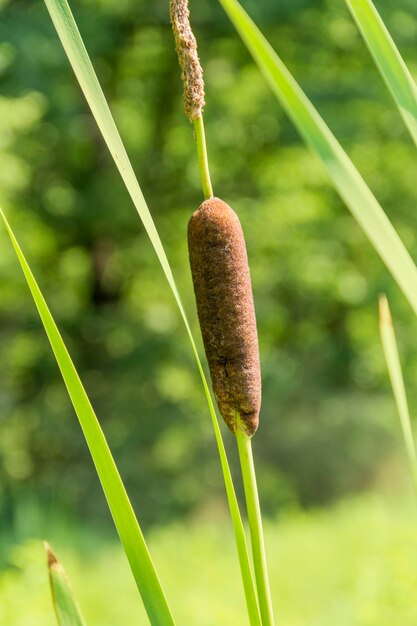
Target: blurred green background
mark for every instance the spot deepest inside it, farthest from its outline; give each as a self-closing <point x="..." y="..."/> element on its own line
<point x="328" y="426"/>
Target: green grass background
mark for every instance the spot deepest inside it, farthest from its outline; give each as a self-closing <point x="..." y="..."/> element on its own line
<point x="352" y="565"/>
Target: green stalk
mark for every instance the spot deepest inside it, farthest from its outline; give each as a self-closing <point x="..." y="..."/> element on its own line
<point x="186" y="46"/>
<point x="244" y="443"/>
<point x="239" y="531"/>
<point x="242" y="549"/>
<point x="200" y="140"/>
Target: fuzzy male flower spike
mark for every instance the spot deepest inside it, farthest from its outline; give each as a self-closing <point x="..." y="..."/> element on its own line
<point x="186" y="47"/>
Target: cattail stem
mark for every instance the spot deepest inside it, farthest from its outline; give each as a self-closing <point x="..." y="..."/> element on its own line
<point x="192" y="77"/>
<point x="200" y="140"/>
<point x="244" y="443"/>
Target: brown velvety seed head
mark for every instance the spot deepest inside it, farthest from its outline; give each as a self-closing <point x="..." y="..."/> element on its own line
<point x="226" y="312"/>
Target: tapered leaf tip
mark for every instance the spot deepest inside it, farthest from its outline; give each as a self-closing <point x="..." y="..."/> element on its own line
<point x="6" y="223"/>
<point x="53" y="562"/>
<point x="384" y="311"/>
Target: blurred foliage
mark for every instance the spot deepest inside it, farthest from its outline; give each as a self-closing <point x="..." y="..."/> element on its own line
<point x="353" y="565"/>
<point x="328" y="422"/>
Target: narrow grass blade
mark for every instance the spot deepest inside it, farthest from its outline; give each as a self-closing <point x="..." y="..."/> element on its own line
<point x="66" y="608"/>
<point x="118" y="501"/>
<point x="388" y="59"/>
<point x="72" y="42"/>
<point x="346" y="179"/>
<point x="392" y="359"/>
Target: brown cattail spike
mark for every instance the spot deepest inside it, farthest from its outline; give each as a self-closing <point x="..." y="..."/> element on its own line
<point x="186" y="47"/>
<point x="223" y="291"/>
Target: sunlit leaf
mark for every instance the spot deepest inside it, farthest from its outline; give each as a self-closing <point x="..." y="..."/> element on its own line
<point x="392" y="358"/>
<point x="117" y="499"/>
<point x="346" y="179"/>
<point x="388" y="59"/>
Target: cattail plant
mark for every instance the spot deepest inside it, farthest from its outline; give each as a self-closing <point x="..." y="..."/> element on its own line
<point x="219" y="265"/>
<point x="223" y="291"/>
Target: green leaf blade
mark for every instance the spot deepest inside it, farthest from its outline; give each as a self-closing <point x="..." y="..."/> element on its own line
<point x="77" y="54"/>
<point x="121" y="509"/>
<point x="66" y="609"/>
<point x="388" y="59"/>
<point x="392" y="358"/>
<point x="346" y="179"/>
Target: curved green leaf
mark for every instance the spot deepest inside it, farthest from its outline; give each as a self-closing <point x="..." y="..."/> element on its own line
<point x="388" y="59"/>
<point x="77" y="54"/>
<point x="346" y="179"/>
<point x="117" y="498"/>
